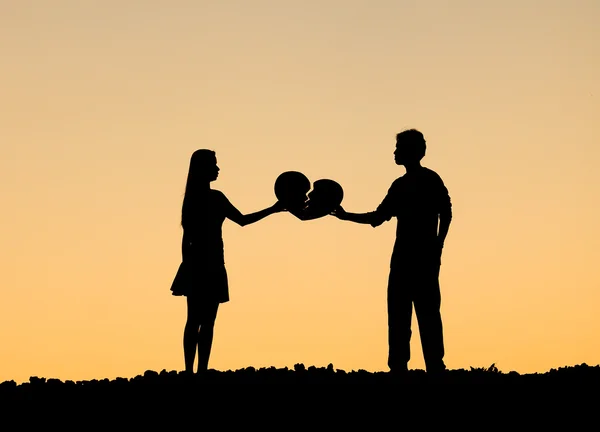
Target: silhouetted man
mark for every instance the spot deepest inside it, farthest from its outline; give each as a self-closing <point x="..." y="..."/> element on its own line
<point x="420" y="201"/>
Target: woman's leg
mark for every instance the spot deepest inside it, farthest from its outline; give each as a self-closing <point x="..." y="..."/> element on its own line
<point x="190" y="333"/>
<point x="208" y="313"/>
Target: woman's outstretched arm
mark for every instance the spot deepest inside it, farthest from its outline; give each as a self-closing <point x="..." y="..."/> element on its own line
<point x="246" y="219"/>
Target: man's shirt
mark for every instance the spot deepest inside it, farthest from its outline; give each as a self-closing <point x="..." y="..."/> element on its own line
<point x="417" y="200"/>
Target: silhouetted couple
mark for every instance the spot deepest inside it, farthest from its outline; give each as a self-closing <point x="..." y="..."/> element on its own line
<point x="420" y="202"/>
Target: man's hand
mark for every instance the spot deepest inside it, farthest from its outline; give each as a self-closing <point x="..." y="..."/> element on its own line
<point x="340" y="213"/>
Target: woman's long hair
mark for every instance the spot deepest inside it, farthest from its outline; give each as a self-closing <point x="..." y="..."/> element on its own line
<point x="196" y="179"/>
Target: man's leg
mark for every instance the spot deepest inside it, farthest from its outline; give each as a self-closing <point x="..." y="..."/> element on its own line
<point x="399" y="304"/>
<point x="427" y="308"/>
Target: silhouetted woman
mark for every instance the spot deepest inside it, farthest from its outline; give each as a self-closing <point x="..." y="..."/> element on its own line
<point x="202" y="277"/>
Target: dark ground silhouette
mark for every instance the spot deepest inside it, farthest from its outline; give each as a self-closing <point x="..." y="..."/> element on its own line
<point x="316" y="398"/>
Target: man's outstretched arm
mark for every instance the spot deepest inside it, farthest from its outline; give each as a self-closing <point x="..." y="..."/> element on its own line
<point x="375" y="218"/>
<point x="372" y="218"/>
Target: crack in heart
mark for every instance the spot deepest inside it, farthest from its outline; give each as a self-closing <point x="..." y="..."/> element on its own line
<point x="293" y="190"/>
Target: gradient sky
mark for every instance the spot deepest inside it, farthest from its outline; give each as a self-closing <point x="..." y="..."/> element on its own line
<point x="103" y="102"/>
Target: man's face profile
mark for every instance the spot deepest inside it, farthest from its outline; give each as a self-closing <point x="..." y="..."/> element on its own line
<point x="405" y="152"/>
<point x="399" y="156"/>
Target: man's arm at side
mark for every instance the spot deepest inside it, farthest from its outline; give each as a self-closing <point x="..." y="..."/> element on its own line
<point x="445" y="217"/>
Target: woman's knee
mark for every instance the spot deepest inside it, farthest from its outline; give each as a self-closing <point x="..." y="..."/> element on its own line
<point x="192" y="324"/>
<point x="208" y="320"/>
<point x="209" y="314"/>
<point x="207" y="326"/>
<point x="202" y="313"/>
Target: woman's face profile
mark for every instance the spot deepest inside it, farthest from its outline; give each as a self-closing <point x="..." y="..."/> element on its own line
<point x="211" y="169"/>
<point x="214" y="170"/>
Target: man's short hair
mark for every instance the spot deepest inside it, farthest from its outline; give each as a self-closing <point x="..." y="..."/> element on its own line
<point x="414" y="140"/>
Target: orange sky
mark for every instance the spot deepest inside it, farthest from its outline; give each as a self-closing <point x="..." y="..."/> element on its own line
<point x="102" y="104"/>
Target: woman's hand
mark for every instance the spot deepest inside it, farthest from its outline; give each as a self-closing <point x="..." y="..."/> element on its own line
<point x="278" y="207"/>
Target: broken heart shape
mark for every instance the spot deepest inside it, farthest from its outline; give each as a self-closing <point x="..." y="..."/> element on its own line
<point x="293" y="190"/>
